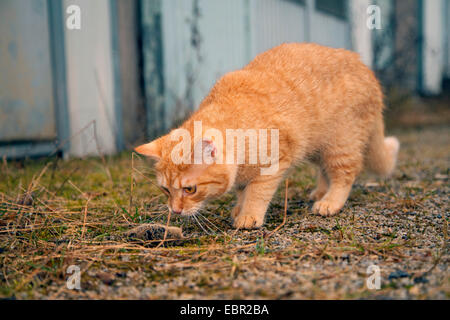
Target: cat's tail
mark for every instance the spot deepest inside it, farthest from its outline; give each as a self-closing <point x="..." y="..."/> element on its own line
<point x="382" y="152"/>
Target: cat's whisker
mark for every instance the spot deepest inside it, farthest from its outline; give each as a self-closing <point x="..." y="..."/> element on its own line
<point x="209" y="222"/>
<point x="206" y="225"/>
<point x="210" y="213"/>
<point x="214" y="215"/>
<point x="198" y="222"/>
<point x="198" y="211"/>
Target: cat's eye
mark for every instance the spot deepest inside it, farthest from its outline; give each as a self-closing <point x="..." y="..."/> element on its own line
<point x="190" y="190"/>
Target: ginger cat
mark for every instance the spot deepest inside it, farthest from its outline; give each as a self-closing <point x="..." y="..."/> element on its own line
<point x="326" y="106"/>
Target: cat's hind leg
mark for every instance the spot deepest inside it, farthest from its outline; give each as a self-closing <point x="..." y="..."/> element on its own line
<point x="341" y="168"/>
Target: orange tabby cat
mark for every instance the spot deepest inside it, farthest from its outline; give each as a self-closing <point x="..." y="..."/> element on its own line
<point x="326" y="106"/>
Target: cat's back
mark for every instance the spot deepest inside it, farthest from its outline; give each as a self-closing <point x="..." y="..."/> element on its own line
<point x="296" y="80"/>
<point x="307" y="59"/>
<point x="319" y="72"/>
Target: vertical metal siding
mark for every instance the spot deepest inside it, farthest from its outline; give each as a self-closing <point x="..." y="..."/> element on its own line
<point x="447" y="37"/>
<point x="383" y="39"/>
<point x="57" y="25"/>
<point x="117" y="88"/>
<point x="330" y="31"/>
<point x="191" y="66"/>
<point x="225" y="36"/>
<point x="153" y="71"/>
<point x="276" y="21"/>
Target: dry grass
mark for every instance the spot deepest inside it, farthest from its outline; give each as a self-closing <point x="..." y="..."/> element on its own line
<point x="56" y="213"/>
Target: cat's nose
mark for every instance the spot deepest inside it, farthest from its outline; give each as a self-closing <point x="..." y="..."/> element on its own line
<point x="176" y="212"/>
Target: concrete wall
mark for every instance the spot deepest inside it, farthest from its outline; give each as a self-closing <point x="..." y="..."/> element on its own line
<point x="90" y="78"/>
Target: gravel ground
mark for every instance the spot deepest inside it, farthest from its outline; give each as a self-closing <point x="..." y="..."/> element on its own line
<point x="397" y="226"/>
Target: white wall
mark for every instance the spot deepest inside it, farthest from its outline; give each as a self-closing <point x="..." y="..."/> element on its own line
<point x="361" y="34"/>
<point x="89" y="71"/>
<point x="433" y="46"/>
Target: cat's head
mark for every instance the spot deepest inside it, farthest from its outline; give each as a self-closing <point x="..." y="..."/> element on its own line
<point x="187" y="184"/>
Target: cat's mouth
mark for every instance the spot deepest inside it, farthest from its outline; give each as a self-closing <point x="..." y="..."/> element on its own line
<point x="188" y="213"/>
<point x="185" y="213"/>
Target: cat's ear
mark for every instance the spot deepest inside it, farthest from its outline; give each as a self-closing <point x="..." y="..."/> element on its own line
<point x="203" y="155"/>
<point x="206" y="150"/>
<point x="152" y="149"/>
<point x="209" y="151"/>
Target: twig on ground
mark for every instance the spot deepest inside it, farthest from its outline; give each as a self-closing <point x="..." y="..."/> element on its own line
<point x="84" y="219"/>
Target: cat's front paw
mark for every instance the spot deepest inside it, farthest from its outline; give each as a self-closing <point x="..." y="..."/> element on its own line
<point x="235" y="212"/>
<point x="326" y="207"/>
<point x="248" y="221"/>
<point x="317" y="194"/>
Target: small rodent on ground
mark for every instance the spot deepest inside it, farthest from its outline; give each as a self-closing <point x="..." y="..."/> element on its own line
<point x="153" y="232"/>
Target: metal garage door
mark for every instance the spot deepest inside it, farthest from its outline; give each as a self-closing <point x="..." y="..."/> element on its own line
<point x="28" y="114"/>
<point x="26" y="94"/>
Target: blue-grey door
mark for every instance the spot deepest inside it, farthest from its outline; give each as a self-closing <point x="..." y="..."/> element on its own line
<point x="27" y="106"/>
